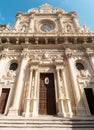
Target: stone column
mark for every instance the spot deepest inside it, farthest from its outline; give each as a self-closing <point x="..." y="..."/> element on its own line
<point x="27" y="112"/>
<point x="79" y="107"/>
<point x="3" y="61"/>
<point x="35" y="111"/>
<point x="61" y="111"/>
<point x="67" y="99"/>
<point x="90" y="54"/>
<point x="15" y="109"/>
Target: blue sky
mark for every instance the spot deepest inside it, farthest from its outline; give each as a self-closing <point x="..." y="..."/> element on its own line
<point x="84" y="9"/>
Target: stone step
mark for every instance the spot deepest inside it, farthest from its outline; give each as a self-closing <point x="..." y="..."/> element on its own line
<point x="46" y="122"/>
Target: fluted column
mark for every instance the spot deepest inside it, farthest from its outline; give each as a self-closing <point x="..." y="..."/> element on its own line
<point x="67" y="99"/>
<point x="27" y="112"/>
<point x="61" y="110"/>
<point x="35" y="111"/>
<point x="15" y="109"/>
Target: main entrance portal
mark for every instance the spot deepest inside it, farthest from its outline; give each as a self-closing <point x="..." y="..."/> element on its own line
<point x="47" y="101"/>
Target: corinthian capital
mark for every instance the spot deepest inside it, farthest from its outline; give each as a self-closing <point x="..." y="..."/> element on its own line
<point x="68" y="52"/>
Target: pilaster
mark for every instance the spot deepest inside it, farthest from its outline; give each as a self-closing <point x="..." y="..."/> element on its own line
<point x="35" y="100"/>
<point x="15" y="109"/>
<point x="3" y="61"/>
<point x="79" y="107"/>
<point x="90" y="53"/>
<point x="61" y="110"/>
<point x="28" y="103"/>
<point x="69" y="113"/>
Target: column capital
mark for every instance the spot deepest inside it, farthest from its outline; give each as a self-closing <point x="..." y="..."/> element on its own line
<point x="58" y="67"/>
<point x="25" y="56"/>
<point x="68" y="52"/>
<point x="33" y="67"/>
<point x="90" y="52"/>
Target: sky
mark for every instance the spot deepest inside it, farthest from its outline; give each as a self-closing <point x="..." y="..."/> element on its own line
<point x="84" y="9"/>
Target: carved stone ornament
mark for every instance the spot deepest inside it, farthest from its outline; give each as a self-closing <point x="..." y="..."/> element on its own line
<point x="68" y="52"/>
<point x="90" y="52"/>
<point x="46" y="9"/>
<point x="84" y="74"/>
<point x="45" y="55"/>
<point x="5" y="28"/>
<point x="11" y="73"/>
<point x="46" y="81"/>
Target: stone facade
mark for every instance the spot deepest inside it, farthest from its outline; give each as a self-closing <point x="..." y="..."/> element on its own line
<point x="50" y="41"/>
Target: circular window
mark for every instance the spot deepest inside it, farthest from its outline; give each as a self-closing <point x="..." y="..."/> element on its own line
<point x="80" y="66"/>
<point x="46" y="27"/>
<point x="13" y="66"/>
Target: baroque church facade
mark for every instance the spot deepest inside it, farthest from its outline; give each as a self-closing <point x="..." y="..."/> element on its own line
<point x="46" y="65"/>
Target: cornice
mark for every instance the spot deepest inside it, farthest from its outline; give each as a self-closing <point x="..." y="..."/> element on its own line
<point x="60" y="34"/>
<point x="36" y="39"/>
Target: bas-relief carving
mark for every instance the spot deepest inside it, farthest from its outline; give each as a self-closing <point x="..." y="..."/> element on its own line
<point x="84" y="74"/>
<point x="10" y="75"/>
<point x="42" y="54"/>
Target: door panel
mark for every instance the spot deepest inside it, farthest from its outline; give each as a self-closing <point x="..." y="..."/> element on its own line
<point x="3" y="100"/>
<point x="90" y="99"/>
<point x="47" y="102"/>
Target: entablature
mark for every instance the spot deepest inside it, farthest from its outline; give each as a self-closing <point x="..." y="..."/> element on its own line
<point x="15" y="39"/>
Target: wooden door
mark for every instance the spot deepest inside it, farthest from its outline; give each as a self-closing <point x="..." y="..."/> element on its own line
<point x="3" y="100"/>
<point x="47" y="101"/>
<point x="90" y="99"/>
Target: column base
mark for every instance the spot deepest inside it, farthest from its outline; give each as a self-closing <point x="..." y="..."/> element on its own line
<point x="34" y="113"/>
<point x="81" y="111"/>
<point x="60" y="114"/>
<point x="13" y="112"/>
<point x="27" y="114"/>
<point x="69" y="115"/>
